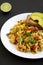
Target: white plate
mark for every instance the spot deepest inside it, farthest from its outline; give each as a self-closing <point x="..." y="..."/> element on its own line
<point x="11" y="47"/>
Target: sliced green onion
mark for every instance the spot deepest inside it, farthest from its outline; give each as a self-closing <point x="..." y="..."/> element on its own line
<point x="31" y="40"/>
<point x="21" y="39"/>
<point x="28" y="33"/>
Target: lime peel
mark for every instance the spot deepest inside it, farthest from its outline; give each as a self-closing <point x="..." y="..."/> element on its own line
<point x="6" y="7"/>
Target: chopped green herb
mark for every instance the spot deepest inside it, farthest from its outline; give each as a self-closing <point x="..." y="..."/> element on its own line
<point x="40" y="49"/>
<point x="21" y="39"/>
<point x="28" y="34"/>
<point x="31" y="40"/>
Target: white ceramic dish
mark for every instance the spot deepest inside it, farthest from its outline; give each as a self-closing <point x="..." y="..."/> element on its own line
<point x="11" y="47"/>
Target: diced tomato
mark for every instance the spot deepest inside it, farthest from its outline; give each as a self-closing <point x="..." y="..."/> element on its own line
<point x="33" y="29"/>
<point x="26" y="29"/>
<point x="11" y="32"/>
<point x="39" y="41"/>
<point x="15" y="42"/>
<point x="34" y="47"/>
<point x="36" y="37"/>
<point x="16" y="36"/>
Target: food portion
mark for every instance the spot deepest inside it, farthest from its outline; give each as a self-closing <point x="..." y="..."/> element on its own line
<point x="27" y="35"/>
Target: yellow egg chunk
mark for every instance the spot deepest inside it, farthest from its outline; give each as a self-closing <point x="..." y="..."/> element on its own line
<point x="6" y="7"/>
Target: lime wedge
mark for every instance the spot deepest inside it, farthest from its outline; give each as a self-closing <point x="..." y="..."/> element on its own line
<point x="6" y="7"/>
<point x="37" y="14"/>
<point x="41" y="23"/>
<point x="35" y="17"/>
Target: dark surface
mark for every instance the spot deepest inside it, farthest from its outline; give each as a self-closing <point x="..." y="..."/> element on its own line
<point x="19" y="6"/>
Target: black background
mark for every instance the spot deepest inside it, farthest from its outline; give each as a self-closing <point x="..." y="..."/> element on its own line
<point x="18" y="6"/>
